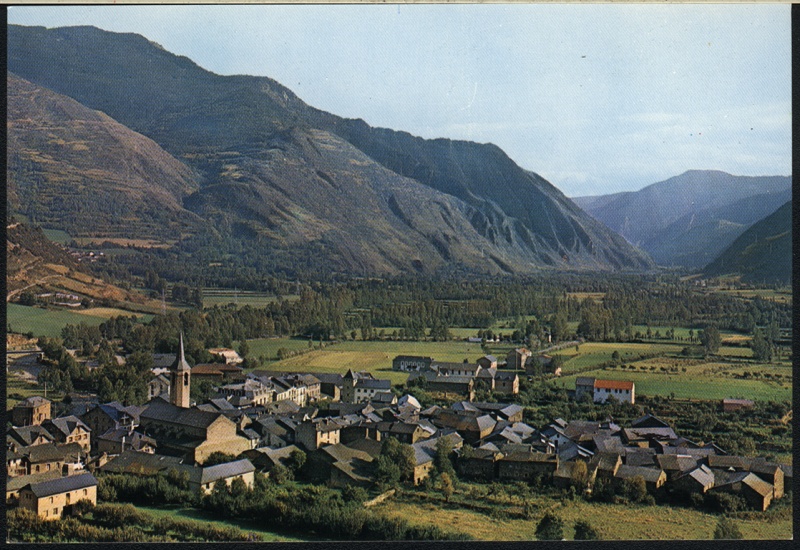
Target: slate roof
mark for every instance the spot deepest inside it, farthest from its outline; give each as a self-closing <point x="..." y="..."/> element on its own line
<point x="62" y="485"/>
<point x="632" y="434"/>
<point x="678" y="463"/>
<point x="66" y="424"/>
<point x="649" y="474"/>
<point x="210" y="474"/>
<point x="516" y="456"/>
<point x="373" y="384"/>
<point x="31" y="402"/>
<point x="341" y="452"/>
<point x="166" y="412"/>
<point x="649" y="421"/>
<point x="47" y="452"/>
<point x="134" y="462"/>
<point x="409" y="401"/>
<point x="725" y="462"/>
<point x="760" y="486"/>
<point x="18" y="482"/>
<point x="702" y="475"/>
<point x="369" y="446"/>
<point x="26" y="435"/>
<point x="135" y="439"/>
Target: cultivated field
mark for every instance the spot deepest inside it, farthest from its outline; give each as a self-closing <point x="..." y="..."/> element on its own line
<point x="612" y="521"/>
<point x="374" y="357"/>
<point x="46" y="322"/>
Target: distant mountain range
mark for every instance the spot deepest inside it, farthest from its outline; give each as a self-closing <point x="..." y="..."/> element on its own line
<point x="763" y="253"/>
<point x="242" y="159"/>
<point x="688" y="220"/>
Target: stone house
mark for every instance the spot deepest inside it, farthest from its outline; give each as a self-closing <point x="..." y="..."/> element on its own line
<point x="27" y="436"/>
<point x="48" y="499"/>
<point x="31" y="411"/>
<point x="525" y="466"/>
<point x="517" y="358"/>
<point x="358" y="387"/>
<point x="506" y="383"/>
<point x="313" y="434"/>
<point x="159" y="385"/>
<point x="202" y="479"/>
<point x="654" y="478"/>
<point x="69" y="429"/>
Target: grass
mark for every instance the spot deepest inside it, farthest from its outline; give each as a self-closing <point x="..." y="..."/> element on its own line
<point x="16" y="385"/>
<point x="57" y="236"/>
<point x="199" y="516"/>
<point x="612" y="521"/>
<point x="595" y="353"/>
<point x="692" y="385"/>
<point x="372" y="356"/>
<point x="46" y="322"/>
<point x="109" y="312"/>
<point x="216" y="297"/>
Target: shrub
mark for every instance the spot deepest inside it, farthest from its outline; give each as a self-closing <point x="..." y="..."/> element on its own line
<point x="550" y="527"/>
<point x="585" y="531"/>
<point x="727" y="530"/>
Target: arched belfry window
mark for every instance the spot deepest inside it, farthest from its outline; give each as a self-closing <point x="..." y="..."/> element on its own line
<point x="185" y="378"/>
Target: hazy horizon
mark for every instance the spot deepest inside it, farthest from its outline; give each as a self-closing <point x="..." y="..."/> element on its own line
<point x="597" y="99"/>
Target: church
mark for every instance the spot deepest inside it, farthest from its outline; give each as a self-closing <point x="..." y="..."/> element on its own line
<point x="182" y="430"/>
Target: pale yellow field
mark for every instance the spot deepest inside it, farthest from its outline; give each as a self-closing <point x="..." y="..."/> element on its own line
<point x="613" y="522"/>
<point x="109" y="312"/>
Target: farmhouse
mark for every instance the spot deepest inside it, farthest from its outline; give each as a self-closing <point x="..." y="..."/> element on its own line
<point x="49" y="498"/>
<point x="410" y="362"/>
<point x="603" y="390"/>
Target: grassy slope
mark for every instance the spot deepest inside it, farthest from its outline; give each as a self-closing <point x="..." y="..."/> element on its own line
<point x="192" y="514"/>
<point x="43" y="322"/>
<point x="613" y="522"/>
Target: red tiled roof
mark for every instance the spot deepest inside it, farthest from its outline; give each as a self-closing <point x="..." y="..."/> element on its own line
<point x="613" y="384"/>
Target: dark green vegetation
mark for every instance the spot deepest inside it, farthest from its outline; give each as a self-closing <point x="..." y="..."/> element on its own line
<point x="763" y="253"/>
<point x="690" y="219"/>
<point x="117" y="523"/>
<point x="281" y="187"/>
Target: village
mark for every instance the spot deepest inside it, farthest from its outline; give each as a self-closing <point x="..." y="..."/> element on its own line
<point x="336" y="427"/>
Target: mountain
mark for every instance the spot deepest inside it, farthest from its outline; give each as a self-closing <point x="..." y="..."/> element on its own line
<point x="763" y="253"/>
<point x="314" y="190"/>
<point x="36" y="264"/>
<point x="79" y="170"/>
<point x="689" y="219"/>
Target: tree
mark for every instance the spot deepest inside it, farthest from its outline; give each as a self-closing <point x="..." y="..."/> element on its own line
<point x="442" y="462"/>
<point x="585" y="531"/>
<point x="296" y="460"/>
<point x="711" y="339"/>
<point x="244" y="348"/>
<point x="727" y="530"/>
<point x="634" y="489"/>
<point x="551" y="527"/>
<point x="218" y="457"/>
<point x="446" y="486"/>
<point x="762" y="350"/>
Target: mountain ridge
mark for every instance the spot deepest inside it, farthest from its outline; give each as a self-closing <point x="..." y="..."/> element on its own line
<point x="689" y="219"/>
<point x="518" y="220"/>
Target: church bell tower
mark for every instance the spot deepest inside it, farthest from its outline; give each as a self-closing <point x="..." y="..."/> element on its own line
<point x="180" y="380"/>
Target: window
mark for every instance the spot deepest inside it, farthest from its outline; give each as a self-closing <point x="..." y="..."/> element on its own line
<point x="51" y="500"/>
<point x="185" y="378"/>
<point x="85" y="492"/>
<point x="55" y="511"/>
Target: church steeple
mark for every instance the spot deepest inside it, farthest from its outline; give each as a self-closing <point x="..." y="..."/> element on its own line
<point x="180" y="379"/>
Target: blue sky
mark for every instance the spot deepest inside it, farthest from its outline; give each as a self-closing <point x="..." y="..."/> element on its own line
<point x="596" y="98"/>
